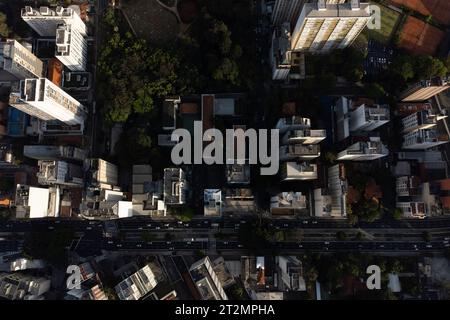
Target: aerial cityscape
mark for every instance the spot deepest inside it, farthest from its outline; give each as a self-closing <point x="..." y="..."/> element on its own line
<point x="242" y="150"/>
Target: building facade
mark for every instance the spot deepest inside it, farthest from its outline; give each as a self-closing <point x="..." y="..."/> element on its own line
<point x="71" y="47"/>
<point x="45" y="21"/>
<point x="19" y="61"/>
<point x="42" y="99"/>
<point x="322" y="27"/>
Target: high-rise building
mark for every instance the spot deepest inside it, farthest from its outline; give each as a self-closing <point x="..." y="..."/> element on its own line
<point x="280" y="52"/>
<point x="71" y="47"/>
<point x="291" y="271"/>
<point x="299" y="151"/>
<point x="176" y="187"/>
<point x="207" y="281"/>
<point x="322" y="27"/>
<point x="364" y="151"/>
<point x="426" y="89"/>
<point x="19" y="61"/>
<point x="424" y="119"/>
<point x="286" y="11"/>
<point x="45" y="20"/>
<point x="365" y="118"/>
<point x="105" y="175"/>
<point x="43" y="99"/>
<point x="423" y="139"/>
<point x="20" y="286"/>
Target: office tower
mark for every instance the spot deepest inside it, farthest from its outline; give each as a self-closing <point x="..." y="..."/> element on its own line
<point x="43" y="99"/>
<point x="137" y="285"/>
<point x="364" y="151"/>
<point x="45" y="152"/>
<point x="45" y="20"/>
<point x="71" y="47"/>
<point x="286" y="11"/>
<point x="19" y="61"/>
<point x="323" y="27"/>
<point x="425" y="89"/>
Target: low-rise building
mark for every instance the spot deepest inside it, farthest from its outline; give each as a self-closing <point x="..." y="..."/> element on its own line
<point x="60" y="173"/>
<point x="288" y="203"/>
<point x="332" y="201"/>
<point x="237" y="201"/>
<point x="425" y="89"/>
<point x="238" y="173"/>
<point x="18" y="286"/>
<point x="176" y="187"/>
<point x="138" y="285"/>
<point x="212" y="199"/>
<point x="147" y="195"/>
<point x="299" y="152"/>
<point x="33" y="202"/>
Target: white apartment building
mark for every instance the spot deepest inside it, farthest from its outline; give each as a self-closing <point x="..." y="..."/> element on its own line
<point x="423" y="139"/>
<point x="424" y="119"/>
<point x="365" y="118"/>
<point x="286" y="11"/>
<point x="71" y="47"/>
<point x="19" y="61"/>
<point x="364" y="151"/>
<point x="42" y="99"/>
<point x="293" y="171"/>
<point x="280" y="52"/>
<point x="45" y="20"/>
<point x="322" y="27"/>
<point x="207" y="281"/>
<point x="425" y="89"/>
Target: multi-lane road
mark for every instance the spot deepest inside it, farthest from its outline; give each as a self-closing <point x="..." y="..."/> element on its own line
<point x="90" y="238"/>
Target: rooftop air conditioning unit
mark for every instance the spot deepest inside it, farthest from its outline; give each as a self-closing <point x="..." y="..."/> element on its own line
<point x="59" y="10"/>
<point x="45" y="11"/>
<point x="28" y="10"/>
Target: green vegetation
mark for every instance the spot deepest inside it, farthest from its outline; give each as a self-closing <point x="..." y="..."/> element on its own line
<point x="184" y="214"/>
<point x="389" y="20"/>
<point x="50" y="246"/>
<point x="4" y="28"/>
<point x="397" y="214"/>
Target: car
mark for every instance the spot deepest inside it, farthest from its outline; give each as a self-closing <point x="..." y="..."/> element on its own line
<point x="327" y="242"/>
<point x="180" y="222"/>
<point x="300" y="246"/>
<point x="51" y="228"/>
<point x="429" y="246"/>
<point x="110" y="242"/>
<point x="314" y="222"/>
<point x="240" y="245"/>
<point x="150" y="243"/>
<point x="381" y="246"/>
<point x="166" y="225"/>
<point x="168" y="242"/>
<point x="119" y="245"/>
<point x="57" y="221"/>
<point x="139" y="245"/>
<point x="188" y="242"/>
<point x="140" y="228"/>
<point x="225" y="242"/>
<point x="157" y="228"/>
<point x="88" y="228"/>
<point x="149" y="225"/>
<point x="186" y="225"/>
<point x="305" y="221"/>
<point x="286" y="225"/>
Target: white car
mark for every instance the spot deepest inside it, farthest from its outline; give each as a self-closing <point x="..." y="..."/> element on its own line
<point x="305" y="222"/>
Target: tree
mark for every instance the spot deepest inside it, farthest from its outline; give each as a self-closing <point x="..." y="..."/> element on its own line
<point x="404" y="66"/>
<point x="341" y="235"/>
<point x="4" y="28"/>
<point x="397" y="214"/>
<point x="374" y="91"/>
<point x="427" y="236"/>
<point x="369" y="210"/>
